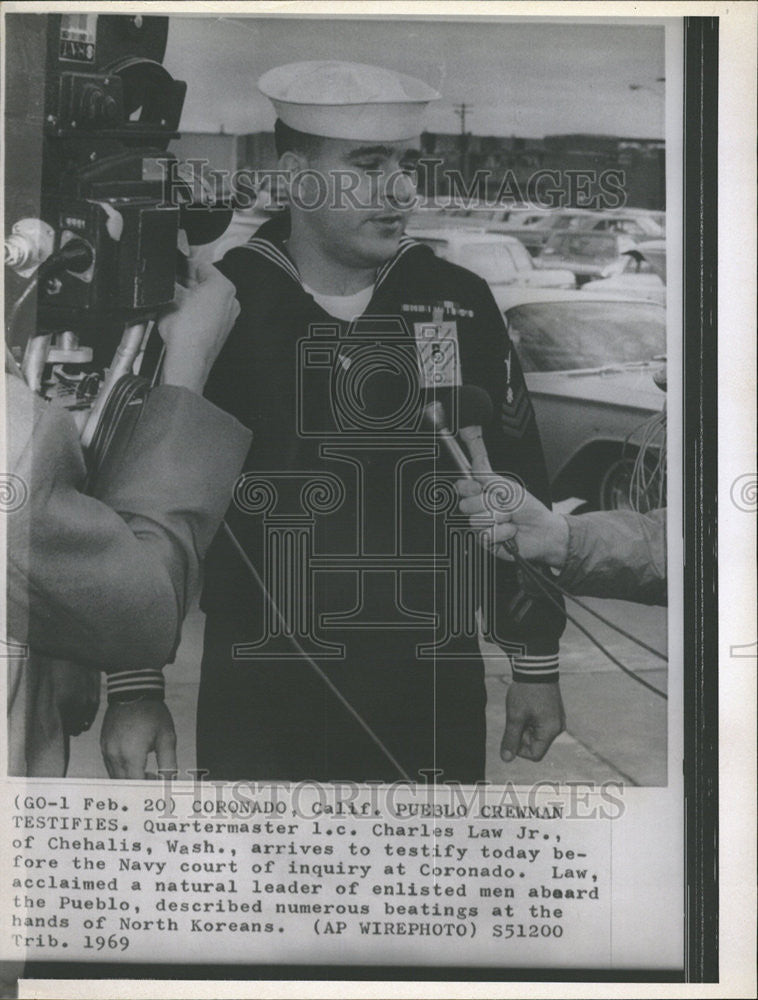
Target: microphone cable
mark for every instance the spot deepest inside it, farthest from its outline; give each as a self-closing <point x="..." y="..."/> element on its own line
<point x="309" y="659"/>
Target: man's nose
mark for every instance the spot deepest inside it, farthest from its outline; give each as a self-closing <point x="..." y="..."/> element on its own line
<point x="400" y="189"/>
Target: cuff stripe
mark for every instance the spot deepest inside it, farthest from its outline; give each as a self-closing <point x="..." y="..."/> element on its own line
<point x="135" y="680"/>
<point x="551" y="658"/>
<point x="530" y="670"/>
<point x="535" y="668"/>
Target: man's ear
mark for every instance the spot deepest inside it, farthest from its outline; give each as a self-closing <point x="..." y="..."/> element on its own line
<point x="292" y="162"/>
<point x="305" y="187"/>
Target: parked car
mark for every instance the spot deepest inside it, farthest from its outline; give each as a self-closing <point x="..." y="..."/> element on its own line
<point x="634" y="274"/>
<point x="500" y="260"/>
<point x="657" y="216"/>
<point x="585" y="252"/>
<point x="589" y="363"/>
<point x="535" y="230"/>
<point x="458" y="215"/>
<point x="638" y="225"/>
<point x="535" y="227"/>
<point x="471" y="216"/>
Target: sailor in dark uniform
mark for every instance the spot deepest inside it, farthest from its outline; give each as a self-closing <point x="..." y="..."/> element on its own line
<point x="343" y="542"/>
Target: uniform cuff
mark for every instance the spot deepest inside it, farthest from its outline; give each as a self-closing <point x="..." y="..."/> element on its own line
<point x="135" y="685"/>
<point x="532" y="669"/>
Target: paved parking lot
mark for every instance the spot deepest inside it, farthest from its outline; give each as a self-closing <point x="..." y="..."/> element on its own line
<point x="616" y="729"/>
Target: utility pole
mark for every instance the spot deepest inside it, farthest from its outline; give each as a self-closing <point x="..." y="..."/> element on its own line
<point x="460" y="110"/>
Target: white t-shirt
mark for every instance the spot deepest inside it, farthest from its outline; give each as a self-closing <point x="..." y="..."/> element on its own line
<point x="344" y="307"/>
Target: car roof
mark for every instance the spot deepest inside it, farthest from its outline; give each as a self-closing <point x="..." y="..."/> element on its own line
<point x="595" y="233"/>
<point x="459" y="235"/>
<point x="631" y="388"/>
<point x="657" y="244"/>
<point x="635" y="210"/>
<point x="559" y="235"/>
<point x="550" y="213"/>
<point x="519" y="295"/>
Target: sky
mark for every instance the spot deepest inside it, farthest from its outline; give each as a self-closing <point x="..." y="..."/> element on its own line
<point x="525" y="79"/>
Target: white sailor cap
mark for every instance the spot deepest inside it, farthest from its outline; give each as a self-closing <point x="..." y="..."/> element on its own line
<point x="344" y="100"/>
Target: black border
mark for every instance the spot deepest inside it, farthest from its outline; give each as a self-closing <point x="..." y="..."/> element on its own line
<point x="700" y="609"/>
<point x="700" y="492"/>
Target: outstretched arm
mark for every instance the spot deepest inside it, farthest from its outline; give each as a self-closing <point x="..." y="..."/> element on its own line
<point x="619" y="554"/>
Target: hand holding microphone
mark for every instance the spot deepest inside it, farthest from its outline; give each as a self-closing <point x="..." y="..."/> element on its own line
<point x="510" y="520"/>
<point x="480" y="481"/>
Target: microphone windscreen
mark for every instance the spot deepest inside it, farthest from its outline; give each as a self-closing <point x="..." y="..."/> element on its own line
<point x="476" y="408"/>
<point x="204" y="224"/>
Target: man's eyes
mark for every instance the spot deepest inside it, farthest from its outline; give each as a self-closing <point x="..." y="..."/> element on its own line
<point x="378" y="166"/>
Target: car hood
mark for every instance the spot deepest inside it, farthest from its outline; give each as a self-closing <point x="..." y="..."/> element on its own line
<point x="553" y="278"/>
<point x="644" y="286"/>
<point x="634" y="387"/>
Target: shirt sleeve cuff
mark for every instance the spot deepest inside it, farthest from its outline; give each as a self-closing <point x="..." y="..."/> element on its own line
<point x="573" y="568"/>
<point x="135" y="685"/>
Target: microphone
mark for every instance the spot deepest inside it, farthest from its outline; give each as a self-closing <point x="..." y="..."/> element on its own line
<point x="475" y="411"/>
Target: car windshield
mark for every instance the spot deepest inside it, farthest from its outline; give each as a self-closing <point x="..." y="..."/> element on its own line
<point x="567" y="220"/>
<point x="560" y="336"/>
<point x="584" y="245"/>
<point x="636" y="264"/>
<point x="637" y="226"/>
<point x="525" y="217"/>
<point x="536" y="221"/>
<point x="521" y="256"/>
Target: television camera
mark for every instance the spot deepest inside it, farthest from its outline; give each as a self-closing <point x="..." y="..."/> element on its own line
<point x="95" y="202"/>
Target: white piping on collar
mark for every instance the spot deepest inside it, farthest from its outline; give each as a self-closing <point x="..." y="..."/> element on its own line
<point x="271" y="252"/>
<point x="406" y="244"/>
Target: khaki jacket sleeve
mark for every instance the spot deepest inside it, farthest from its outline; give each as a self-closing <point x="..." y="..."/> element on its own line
<point x="105" y="580"/>
<point x="619" y="554"/>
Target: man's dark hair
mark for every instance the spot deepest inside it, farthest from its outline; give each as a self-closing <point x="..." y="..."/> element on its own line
<point x="288" y="139"/>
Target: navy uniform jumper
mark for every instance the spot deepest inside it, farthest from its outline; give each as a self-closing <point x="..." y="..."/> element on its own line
<point x="381" y="588"/>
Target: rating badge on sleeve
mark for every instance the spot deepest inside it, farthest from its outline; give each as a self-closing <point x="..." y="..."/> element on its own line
<point x="516" y="409"/>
